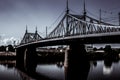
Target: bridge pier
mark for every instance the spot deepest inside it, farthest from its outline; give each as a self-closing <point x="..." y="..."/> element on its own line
<point x="76" y="62"/>
<point x="26" y="58"/>
<point x="75" y="53"/>
<point x="19" y="57"/>
<point x="30" y="59"/>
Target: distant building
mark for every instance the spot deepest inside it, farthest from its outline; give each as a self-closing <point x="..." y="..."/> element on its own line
<point x="89" y="48"/>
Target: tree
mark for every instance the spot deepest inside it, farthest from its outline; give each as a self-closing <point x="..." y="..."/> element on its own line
<point x="101" y="48"/>
<point x="94" y="49"/>
<point x="11" y="48"/>
<point x="108" y="49"/>
<point x="2" y="48"/>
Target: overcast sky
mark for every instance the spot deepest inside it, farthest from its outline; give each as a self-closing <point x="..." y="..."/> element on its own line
<point x="16" y="14"/>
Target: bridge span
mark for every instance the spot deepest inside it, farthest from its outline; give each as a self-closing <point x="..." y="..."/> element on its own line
<point x="113" y="37"/>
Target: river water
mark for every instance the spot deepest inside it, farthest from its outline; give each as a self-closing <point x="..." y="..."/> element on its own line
<point x="92" y="70"/>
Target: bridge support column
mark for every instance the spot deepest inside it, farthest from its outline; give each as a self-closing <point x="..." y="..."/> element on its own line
<point x="26" y="58"/>
<point x="75" y="53"/>
<point x="30" y="59"/>
<point x="20" y="57"/>
<point x="76" y="62"/>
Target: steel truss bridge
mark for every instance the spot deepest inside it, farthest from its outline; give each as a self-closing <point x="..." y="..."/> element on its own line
<point x="75" y="28"/>
<point x="72" y="30"/>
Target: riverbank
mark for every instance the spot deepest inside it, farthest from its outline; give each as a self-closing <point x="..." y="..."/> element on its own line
<point x="7" y="55"/>
<point x="102" y="56"/>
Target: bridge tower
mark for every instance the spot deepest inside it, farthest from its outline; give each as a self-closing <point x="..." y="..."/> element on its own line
<point x="37" y="37"/>
<point x="84" y="11"/>
<point x="84" y="17"/>
<point x="76" y="51"/>
<point x="67" y="24"/>
<point x="26" y="30"/>
<point x="30" y="37"/>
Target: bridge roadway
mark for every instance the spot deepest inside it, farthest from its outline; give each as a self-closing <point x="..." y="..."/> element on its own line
<point x="98" y="38"/>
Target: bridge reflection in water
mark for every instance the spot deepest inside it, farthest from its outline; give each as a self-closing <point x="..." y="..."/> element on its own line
<point x="75" y="66"/>
<point x="74" y="69"/>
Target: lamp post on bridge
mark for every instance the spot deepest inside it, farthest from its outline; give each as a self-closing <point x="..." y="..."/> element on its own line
<point x="100" y="17"/>
<point x="119" y="18"/>
<point x="46" y="31"/>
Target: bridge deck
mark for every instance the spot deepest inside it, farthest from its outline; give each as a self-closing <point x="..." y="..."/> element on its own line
<point x="111" y="37"/>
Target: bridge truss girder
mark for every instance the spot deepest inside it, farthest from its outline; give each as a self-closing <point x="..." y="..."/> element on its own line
<point x="30" y="37"/>
<point x="77" y="26"/>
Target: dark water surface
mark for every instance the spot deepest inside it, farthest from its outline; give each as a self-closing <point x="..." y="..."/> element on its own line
<point x="92" y="70"/>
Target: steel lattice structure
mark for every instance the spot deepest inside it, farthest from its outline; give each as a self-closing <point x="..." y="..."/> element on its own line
<point x="30" y="37"/>
<point x="76" y="25"/>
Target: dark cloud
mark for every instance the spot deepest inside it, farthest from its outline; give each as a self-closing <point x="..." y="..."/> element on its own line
<point x="6" y="5"/>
